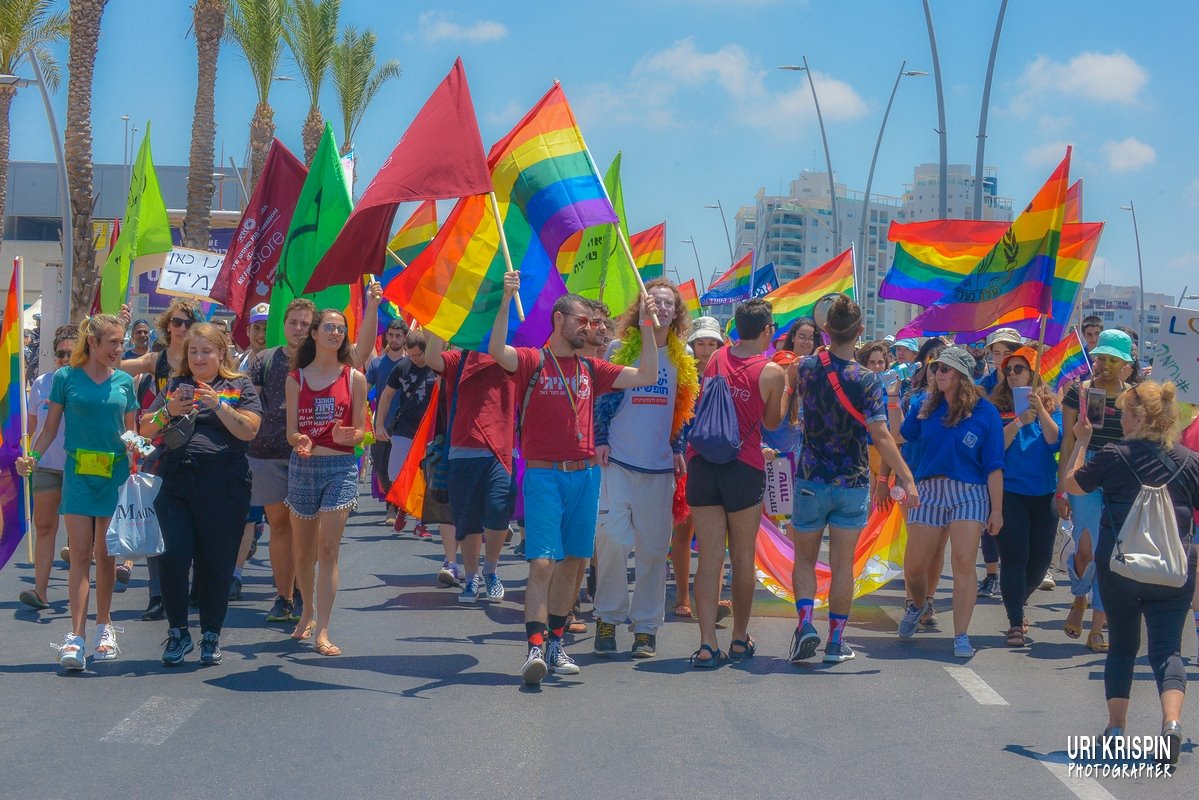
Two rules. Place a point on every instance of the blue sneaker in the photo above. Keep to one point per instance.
(210, 648)
(804, 643)
(177, 644)
(472, 591)
(910, 621)
(962, 647)
(495, 589)
(836, 652)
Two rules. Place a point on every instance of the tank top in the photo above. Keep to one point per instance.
(319, 410)
(149, 386)
(742, 375)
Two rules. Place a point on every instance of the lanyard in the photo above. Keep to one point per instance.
(570, 396)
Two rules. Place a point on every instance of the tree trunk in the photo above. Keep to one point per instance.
(81, 64)
(262, 133)
(6, 96)
(208, 25)
(314, 127)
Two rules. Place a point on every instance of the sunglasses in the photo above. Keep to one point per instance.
(937, 367)
(584, 321)
(1015, 369)
(333, 327)
(61, 353)
(176, 322)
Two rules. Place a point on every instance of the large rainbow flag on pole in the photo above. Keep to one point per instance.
(13, 512)
(1014, 280)
(798, 298)
(1064, 362)
(547, 190)
(649, 251)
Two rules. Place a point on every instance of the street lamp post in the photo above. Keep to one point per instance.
(703, 286)
(1140, 277)
(982, 117)
(125, 154)
(724, 224)
(828, 161)
(859, 277)
(943, 175)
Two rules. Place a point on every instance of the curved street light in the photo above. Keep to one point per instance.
(828, 161)
(1140, 279)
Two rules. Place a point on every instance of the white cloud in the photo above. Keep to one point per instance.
(1100, 77)
(436, 26)
(1129, 155)
(1186, 261)
(1046, 156)
(507, 116)
(1053, 124)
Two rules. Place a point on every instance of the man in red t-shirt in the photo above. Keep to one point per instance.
(561, 484)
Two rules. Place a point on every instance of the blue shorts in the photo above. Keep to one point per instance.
(945, 500)
(818, 504)
(321, 483)
(482, 495)
(561, 509)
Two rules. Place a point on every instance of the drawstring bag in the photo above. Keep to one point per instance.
(133, 531)
(1148, 548)
(715, 434)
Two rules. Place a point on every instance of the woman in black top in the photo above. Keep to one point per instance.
(1149, 456)
(205, 492)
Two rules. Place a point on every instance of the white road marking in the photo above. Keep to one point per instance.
(154, 721)
(979, 689)
(1082, 787)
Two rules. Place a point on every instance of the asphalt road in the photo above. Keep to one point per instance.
(425, 702)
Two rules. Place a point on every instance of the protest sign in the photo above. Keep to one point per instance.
(1176, 357)
(190, 273)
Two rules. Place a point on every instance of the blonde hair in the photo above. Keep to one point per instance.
(92, 327)
(961, 402)
(216, 337)
(1158, 411)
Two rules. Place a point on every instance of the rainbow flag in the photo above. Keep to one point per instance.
(690, 298)
(649, 251)
(1064, 362)
(408, 489)
(12, 486)
(797, 298)
(408, 243)
(1074, 202)
(1014, 280)
(734, 285)
(877, 560)
(547, 190)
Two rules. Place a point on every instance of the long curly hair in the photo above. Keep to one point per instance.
(962, 399)
(681, 324)
(1001, 395)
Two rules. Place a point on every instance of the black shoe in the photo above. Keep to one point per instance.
(298, 607)
(210, 648)
(645, 645)
(605, 639)
(177, 644)
(281, 611)
(235, 588)
(987, 586)
(154, 611)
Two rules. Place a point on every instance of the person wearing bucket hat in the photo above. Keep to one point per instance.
(1110, 356)
(905, 350)
(960, 480)
(1001, 343)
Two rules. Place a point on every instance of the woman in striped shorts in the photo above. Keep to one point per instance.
(960, 479)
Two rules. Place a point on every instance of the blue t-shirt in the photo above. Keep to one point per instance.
(967, 452)
(1029, 466)
(377, 372)
(93, 413)
(989, 381)
(912, 451)
(834, 450)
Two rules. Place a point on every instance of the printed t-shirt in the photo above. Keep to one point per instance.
(835, 446)
(211, 435)
(639, 433)
(1110, 431)
(413, 386)
(271, 366)
(558, 423)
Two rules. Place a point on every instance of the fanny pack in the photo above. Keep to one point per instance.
(94, 462)
(179, 432)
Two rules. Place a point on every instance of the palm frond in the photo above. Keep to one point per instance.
(27, 26)
(311, 33)
(256, 28)
(355, 78)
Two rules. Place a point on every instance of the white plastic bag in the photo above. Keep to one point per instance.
(133, 532)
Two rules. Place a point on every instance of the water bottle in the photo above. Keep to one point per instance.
(900, 372)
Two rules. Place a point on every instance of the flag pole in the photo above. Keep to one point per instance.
(1036, 373)
(499, 224)
(624, 241)
(18, 265)
(399, 260)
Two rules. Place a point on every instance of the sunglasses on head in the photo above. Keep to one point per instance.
(178, 322)
(1014, 369)
(333, 327)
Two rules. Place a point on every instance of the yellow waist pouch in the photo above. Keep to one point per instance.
(94, 462)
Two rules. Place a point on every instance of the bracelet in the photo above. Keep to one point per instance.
(1062, 496)
(788, 390)
(35, 455)
(881, 479)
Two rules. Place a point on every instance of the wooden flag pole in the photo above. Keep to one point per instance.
(499, 224)
(399, 260)
(18, 265)
(1036, 371)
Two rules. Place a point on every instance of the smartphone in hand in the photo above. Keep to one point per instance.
(186, 393)
(1096, 403)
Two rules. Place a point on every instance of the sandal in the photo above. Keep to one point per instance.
(711, 662)
(327, 649)
(1015, 637)
(748, 648)
(1096, 643)
(1078, 609)
(682, 610)
(576, 626)
(300, 635)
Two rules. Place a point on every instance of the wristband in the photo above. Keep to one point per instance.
(35, 455)
(788, 390)
(1062, 496)
(883, 480)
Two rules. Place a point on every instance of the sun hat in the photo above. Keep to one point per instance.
(889, 339)
(259, 313)
(1007, 335)
(960, 359)
(1026, 352)
(1114, 343)
(910, 344)
(705, 328)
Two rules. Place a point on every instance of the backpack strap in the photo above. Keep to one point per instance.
(838, 390)
(529, 387)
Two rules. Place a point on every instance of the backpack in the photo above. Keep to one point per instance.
(715, 434)
(1148, 548)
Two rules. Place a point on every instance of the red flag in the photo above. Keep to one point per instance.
(248, 273)
(440, 156)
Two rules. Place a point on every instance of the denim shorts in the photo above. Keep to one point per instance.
(321, 483)
(818, 504)
(482, 495)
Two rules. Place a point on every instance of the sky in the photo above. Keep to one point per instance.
(688, 90)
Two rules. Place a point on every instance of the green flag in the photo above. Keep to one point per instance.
(320, 214)
(144, 231)
(601, 271)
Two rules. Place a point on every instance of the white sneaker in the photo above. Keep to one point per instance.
(72, 652)
(535, 667)
(1048, 583)
(106, 637)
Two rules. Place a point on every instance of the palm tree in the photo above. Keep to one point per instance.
(81, 65)
(311, 32)
(357, 81)
(208, 23)
(256, 27)
(26, 26)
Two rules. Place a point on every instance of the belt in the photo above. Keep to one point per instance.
(560, 466)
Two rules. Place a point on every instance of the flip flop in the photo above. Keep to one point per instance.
(32, 599)
(302, 635)
(1078, 609)
(327, 649)
(682, 610)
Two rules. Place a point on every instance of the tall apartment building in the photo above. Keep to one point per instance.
(1118, 306)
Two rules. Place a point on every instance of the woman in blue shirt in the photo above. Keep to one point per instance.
(1031, 441)
(960, 479)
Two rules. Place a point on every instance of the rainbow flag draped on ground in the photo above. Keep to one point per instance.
(877, 559)
(409, 242)
(798, 298)
(547, 190)
(690, 298)
(1014, 280)
(649, 251)
(733, 286)
(1064, 362)
(12, 486)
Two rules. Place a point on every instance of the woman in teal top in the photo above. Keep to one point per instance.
(98, 404)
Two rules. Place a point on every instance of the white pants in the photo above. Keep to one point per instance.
(399, 454)
(635, 516)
